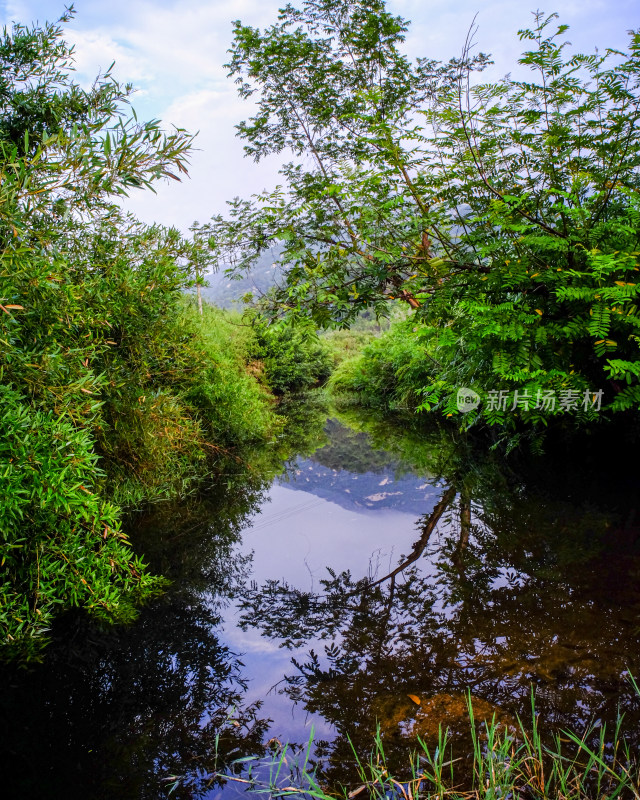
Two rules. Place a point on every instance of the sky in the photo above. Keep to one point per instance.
(173, 51)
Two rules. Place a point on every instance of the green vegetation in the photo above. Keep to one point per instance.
(163, 441)
(112, 386)
(504, 214)
(347, 343)
(61, 541)
(293, 357)
(388, 372)
(508, 759)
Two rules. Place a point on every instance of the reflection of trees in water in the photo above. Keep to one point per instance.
(523, 590)
(353, 451)
(113, 714)
(526, 587)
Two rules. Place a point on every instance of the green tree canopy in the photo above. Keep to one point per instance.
(505, 213)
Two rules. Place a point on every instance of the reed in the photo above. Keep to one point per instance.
(505, 763)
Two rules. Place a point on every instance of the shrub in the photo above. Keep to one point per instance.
(389, 372)
(61, 542)
(294, 358)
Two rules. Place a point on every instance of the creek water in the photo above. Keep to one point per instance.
(363, 573)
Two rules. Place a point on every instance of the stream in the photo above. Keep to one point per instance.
(362, 573)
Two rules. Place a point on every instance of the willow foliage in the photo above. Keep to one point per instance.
(109, 386)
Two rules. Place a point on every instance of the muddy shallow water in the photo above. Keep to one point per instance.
(382, 574)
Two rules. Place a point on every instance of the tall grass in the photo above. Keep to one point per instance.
(229, 393)
(164, 441)
(503, 763)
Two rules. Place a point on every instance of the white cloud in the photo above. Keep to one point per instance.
(218, 170)
(174, 53)
(184, 43)
(95, 51)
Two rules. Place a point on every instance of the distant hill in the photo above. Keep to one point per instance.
(226, 292)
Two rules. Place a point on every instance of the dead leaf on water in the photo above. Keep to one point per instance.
(415, 698)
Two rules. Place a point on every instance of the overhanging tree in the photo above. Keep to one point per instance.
(505, 214)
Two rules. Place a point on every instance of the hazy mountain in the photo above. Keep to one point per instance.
(226, 292)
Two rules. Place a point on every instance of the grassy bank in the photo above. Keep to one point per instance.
(165, 441)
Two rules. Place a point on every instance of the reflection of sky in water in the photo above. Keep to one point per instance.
(534, 598)
(317, 516)
(293, 538)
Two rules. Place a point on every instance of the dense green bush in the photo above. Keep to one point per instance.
(111, 384)
(388, 373)
(294, 358)
(198, 393)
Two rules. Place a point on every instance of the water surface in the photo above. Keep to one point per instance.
(382, 562)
